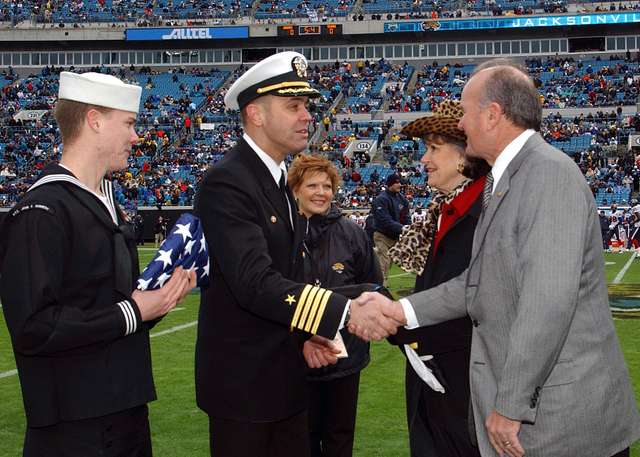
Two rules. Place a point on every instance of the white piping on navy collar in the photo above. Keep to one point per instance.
(106, 187)
(108, 202)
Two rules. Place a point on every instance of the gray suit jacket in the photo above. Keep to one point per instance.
(544, 347)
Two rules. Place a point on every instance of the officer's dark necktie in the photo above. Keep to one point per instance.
(282, 185)
(487, 191)
(285, 198)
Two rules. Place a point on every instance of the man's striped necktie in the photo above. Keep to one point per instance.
(487, 191)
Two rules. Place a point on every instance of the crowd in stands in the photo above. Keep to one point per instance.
(166, 12)
(366, 88)
(362, 184)
(433, 83)
(612, 182)
(605, 129)
(569, 83)
(562, 83)
(25, 144)
(609, 6)
(424, 9)
(183, 126)
(78, 12)
(312, 9)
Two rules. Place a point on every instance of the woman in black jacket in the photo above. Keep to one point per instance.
(337, 253)
(438, 249)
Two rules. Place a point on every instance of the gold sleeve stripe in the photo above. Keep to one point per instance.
(303, 297)
(307, 306)
(323, 305)
(314, 308)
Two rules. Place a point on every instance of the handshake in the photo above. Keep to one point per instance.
(372, 316)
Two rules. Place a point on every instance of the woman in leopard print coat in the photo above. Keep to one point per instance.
(439, 249)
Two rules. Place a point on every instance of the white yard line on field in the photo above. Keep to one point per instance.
(174, 329)
(399, 275)
(177, 328)
(6, 374)
(622, 272)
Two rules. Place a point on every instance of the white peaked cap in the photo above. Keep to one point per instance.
(100, 90)
(283, 74)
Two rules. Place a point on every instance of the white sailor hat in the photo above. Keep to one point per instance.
(283, 74)
(100, 90)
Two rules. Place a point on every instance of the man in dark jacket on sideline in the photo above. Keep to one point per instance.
(391, 213)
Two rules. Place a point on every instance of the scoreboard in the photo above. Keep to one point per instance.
(304, 30)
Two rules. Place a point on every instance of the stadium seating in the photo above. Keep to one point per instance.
(366, 94)
(565, 83)
(561, 83)
(313, 10)
(183, 126)
(141, 13)
(84, 11)
(450, 8)
(620, 197)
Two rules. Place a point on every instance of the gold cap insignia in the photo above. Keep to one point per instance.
(299, 65)
(338, 267)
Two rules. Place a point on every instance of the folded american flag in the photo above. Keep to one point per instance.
(185, 246)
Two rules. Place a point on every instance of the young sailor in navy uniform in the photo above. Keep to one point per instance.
(69, 264)
(250, 371)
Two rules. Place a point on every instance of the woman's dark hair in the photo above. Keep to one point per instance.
(475, 167)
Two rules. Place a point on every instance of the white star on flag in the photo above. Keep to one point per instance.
(188, 247)
(162, 279)
(143, 284)
(183, 229)
(185, 246)
(164, 257)
(205, 269)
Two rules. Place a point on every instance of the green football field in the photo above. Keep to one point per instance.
(180, 429)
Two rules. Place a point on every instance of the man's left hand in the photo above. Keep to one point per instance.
(319, 352)
(503, 435)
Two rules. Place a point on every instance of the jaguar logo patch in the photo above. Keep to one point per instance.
(299, 66)
(428, 26)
